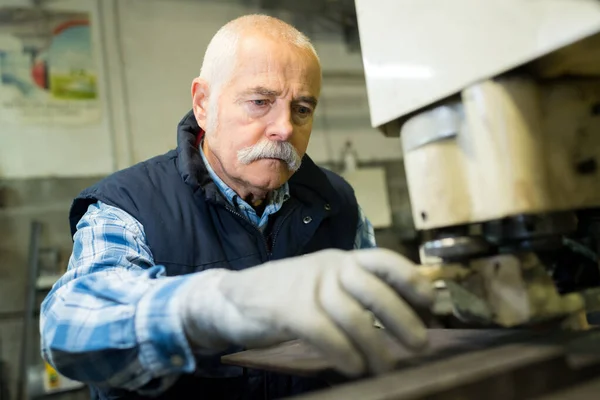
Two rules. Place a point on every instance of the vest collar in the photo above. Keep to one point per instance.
(309, 184)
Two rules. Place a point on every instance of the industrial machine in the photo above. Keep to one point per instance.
(497, 105)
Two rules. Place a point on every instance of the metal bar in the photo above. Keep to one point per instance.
(515, 371)
(34, 246)
(301, 359)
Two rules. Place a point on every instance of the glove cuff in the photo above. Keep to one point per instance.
(201, 310)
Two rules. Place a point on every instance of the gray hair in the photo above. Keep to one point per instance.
(220, 57)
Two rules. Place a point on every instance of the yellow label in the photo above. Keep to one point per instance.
(52, 377)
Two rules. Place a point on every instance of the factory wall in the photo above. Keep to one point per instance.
(148, 51)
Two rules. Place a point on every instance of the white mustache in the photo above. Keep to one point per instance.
(271, 149)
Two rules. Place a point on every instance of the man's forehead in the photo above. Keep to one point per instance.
(263, 60)
(276, 81)
(267, 65)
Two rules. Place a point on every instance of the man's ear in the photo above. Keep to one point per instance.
(200, 93)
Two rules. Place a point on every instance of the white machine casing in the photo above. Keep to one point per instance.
(418, 52)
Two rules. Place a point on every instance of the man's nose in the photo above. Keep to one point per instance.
(281, 127)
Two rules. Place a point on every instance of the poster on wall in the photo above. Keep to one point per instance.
(47, 71)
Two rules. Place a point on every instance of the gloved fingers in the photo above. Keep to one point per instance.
(314, 326)
(355, 321)
(393, 312)
(399, 273)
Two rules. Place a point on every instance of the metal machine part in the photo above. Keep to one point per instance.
(456, 248)
(521, 271)
(528, 227)
(520, 232)
(509, 170)
(520, 150)
(513, 290)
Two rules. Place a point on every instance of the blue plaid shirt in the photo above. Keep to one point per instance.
(112, 319)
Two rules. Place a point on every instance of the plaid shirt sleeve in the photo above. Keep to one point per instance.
(112, 319)
(365, 235)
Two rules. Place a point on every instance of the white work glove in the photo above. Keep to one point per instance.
(322, 298)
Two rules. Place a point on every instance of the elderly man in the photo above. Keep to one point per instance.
(235, 239)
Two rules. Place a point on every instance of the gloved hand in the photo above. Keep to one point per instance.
(322, 298)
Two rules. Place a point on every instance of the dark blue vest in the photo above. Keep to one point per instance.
(190, 227)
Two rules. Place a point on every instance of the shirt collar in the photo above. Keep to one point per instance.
(278, 196)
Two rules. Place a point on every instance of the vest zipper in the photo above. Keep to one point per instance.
(264, 240)
(264, 373)
(279, 227)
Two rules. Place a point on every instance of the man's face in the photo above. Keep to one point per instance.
(270, 98)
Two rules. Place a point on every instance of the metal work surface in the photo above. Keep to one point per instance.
(524, 370)
(299, 358)
(467, 364)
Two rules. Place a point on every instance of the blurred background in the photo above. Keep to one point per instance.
(88, 87)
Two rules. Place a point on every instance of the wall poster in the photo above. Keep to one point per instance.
(47, 71)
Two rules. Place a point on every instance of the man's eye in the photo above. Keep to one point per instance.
(303, 111)
(259, 103)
